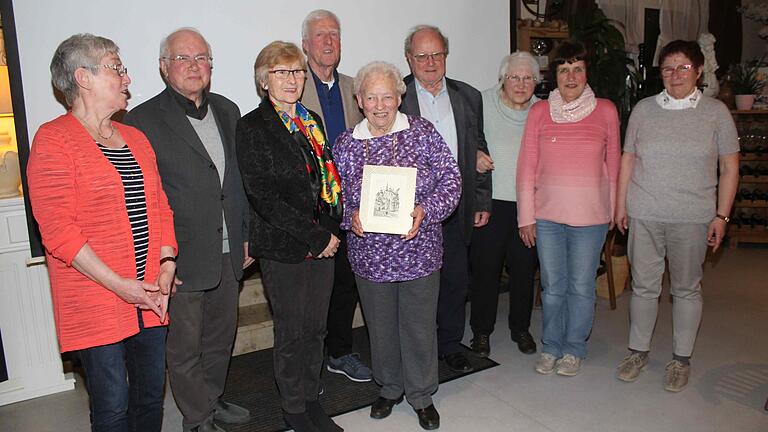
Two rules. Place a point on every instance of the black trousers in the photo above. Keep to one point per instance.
(454, 281)
(492, 246)
(344, 297)
(199, 346)
(299, 296)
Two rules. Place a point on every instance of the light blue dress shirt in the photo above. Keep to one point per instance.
(438, 110)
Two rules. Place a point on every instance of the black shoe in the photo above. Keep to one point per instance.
(457, 362)
(321, 419)
(300, 422)
(524, 341)
(207, 426)
(481, 345)
(429, 418)
(382, 408)
(230, 413)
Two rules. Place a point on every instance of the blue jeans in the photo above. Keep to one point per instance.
(126, 381)
(569, 257)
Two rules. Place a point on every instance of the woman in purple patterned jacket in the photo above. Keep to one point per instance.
(398, 276)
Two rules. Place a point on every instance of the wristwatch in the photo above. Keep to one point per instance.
(168, 258)
(726, 219)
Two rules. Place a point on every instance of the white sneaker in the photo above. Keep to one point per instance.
(569, 365)
(545, 365)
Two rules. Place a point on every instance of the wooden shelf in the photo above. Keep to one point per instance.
(744, 203)
(749, 123)
(751, 157)
(755, 111)
(753, 179)
(527, 32)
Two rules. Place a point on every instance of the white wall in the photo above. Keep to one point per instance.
(238, 29)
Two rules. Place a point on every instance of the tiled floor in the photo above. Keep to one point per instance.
(728, 387)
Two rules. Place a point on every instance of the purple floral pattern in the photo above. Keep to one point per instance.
(386, 257)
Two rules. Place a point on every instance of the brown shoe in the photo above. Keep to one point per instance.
(676, 376)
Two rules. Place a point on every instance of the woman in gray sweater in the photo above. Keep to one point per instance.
(674, 203)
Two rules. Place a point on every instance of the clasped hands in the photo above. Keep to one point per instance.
(417, 214)
(154, 296)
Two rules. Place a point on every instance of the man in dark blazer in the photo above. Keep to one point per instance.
(193, 134)
(456, 110)
(329, 93)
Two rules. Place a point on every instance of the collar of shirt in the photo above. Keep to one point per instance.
(421, 91)
(361, 130)
(668, 102)
(319, 82)
(189, 107)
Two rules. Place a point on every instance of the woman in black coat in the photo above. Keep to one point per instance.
(295, 191)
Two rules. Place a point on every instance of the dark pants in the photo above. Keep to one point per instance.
(299, 295)
(200, 340)
(492, 246)
(401, 326)
(341, 311)
(126, 381)
(454, 280)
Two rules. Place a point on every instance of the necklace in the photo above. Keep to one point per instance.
(98, 131)
(394, 150)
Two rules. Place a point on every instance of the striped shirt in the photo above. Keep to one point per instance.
(135, 202)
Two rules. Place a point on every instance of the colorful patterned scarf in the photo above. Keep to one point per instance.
(330, 189)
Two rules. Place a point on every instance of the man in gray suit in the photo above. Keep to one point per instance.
(193, 134)
(329, 93)
(456, 110)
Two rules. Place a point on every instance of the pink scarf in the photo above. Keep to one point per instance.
(573, 111)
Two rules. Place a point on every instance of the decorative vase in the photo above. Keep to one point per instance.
(744, 102)
(10, 174)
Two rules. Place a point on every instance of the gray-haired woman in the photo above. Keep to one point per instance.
(108, 235)
(398, 276)
(505, 110)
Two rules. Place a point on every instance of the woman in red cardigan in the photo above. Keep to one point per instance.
(108, 234)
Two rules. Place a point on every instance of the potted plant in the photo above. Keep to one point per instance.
(611, 72)
(746, 82)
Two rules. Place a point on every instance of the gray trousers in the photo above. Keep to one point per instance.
(685, 246)
(401, 320)
(299, 295)
(199, 346)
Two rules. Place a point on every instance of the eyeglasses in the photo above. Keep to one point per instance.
(185, 59)
(435, 57)
(285, 73)
(119, 68)
(682, 69)
(526, 80)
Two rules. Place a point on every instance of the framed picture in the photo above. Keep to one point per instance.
(387, 199)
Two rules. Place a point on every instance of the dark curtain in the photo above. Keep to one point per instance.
(725, 25)
(3, 367)
(569, 7)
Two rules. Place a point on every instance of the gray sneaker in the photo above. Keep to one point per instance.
(629, 369)
(569, 365)
(676, 376)
(545, 365)
(351, 367)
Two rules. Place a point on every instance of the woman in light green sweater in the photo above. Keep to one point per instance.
(505, 109)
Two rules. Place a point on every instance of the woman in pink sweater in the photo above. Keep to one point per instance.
(567, 174)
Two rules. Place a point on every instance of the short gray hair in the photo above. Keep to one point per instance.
(522, 59)
(314, 16)
(165, 51)
(77, 51)
(378, 68)
(420, 27)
